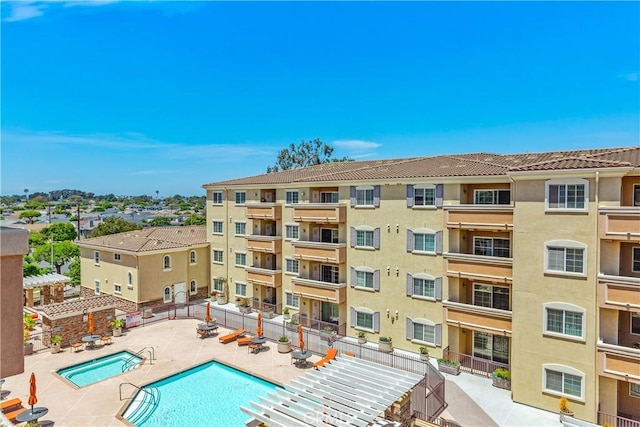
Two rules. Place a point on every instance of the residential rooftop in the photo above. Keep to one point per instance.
(151, 239)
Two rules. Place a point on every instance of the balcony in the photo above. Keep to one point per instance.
(480, 217)
(266, 244)
(616, 361)
(484, 319)
(264, 277)
(479, 267)
(272, 211)
(620, 223)
(618, 292)
(323, 291)
(319, 251)
(320, 212)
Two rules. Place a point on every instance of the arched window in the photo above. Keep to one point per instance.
(192, 257)
(167, 294)
(130, 279)
(193, 287)
(167, 262)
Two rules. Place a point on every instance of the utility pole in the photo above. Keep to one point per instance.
(78, 221)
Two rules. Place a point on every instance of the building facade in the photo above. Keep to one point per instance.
(529, 262)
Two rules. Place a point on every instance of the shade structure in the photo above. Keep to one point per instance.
(300, 339)
(91, 325)
(32, 391)
(259, 330)
(207, 317)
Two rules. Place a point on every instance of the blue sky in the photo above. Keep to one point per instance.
(133, 97)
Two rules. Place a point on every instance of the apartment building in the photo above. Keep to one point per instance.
(527, 261)
(148, 267)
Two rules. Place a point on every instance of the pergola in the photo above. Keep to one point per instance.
(44, 282)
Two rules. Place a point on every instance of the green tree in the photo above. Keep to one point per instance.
(74, 272)
(195, 220)
(63, 252)
(30, 216)
(30, 268)
(159, 221)
(304, 154)
(113, 225)
(60, 231)
(37, 238)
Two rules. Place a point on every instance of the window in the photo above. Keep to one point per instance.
(329, 235)
(218, 284)
(364, 238)
(241, 197)
(424, 240)
(241, 258)
(635, 256)
(216, 197)
(96, 287)
(217, 227)
(364, 279)
(364, 196)
(330, 273)
(291, 197)
(566, 320)
(636, 195)
(192, 257)
(117, 289)
(563, 380)
(491, 296)
(166, 262)
(241, 228)
(424, 196)
(424, 331)
(129, 280)
(96, 258)
(492, 197)
(491, 246)
(567, 194)
(241, 289)
(193, 287)
(218, 256)
(491, 347)
(634, 389)
(565, 257)
(424, 287)
(292, 300)
(292, 232)
(635, 323)
(329, 197)
(166, 295)
(364, 318)
(116, 257)
(292, 266)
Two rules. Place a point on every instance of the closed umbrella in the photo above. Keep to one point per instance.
(301, 341)
(32, 391)
(259, 329)
(91, 326)
(207, 318)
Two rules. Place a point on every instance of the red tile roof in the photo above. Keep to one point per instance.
(151, 239)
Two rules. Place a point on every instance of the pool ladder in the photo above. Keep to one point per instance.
(130, 364)
(149, 401)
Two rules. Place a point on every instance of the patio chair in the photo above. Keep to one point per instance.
(225, 339)
(106, 338)
(8, 404)
(76, 346)
(11, 416)
(244, 340)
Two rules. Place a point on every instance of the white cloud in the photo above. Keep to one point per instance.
(19, 11)
(632, 77)
(356, 144)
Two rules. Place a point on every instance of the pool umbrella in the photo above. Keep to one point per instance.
(91, 327)
(300, 338)
(207, 318)
(32, 391)
(259, 330)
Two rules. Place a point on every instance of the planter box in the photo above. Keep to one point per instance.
(147, 313)
(55, 348)
(385, 347)
(563, 415)
(449, 369)
(362, 340)
(424, 357)
(284, 347)
(502, 383)
(117, 332)
(245, 310)
(221, 299)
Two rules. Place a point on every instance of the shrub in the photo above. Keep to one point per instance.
(55, 339)
(283, 338)
(449, 361)
(385, 339)
(563, 404)
(362, 334)
(503, 374)
(117, 323)
(286, 310)
(424, 350)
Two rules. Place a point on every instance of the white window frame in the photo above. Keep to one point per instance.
(367, 230)
(166, 266)
(242, 195)
(117, 288)
(368, 274)
(636, 195)
(333, 194)
(493, 249)
(291, 300)
(220, 224)
(117, 257)
(492, 287)
(293, 271)
(424, 322)
(217, 252)
(424, 232)
(96, 287)
(96, 257)
(565, 244)
(193, 258)
(193, 289)
(423, 188)
(566, 183)
(166, 298)
(218, 284)
(240, 254)
(361, 195)
(368, 312)
(242, 224)
(634, 390)
(291, 197)
(129, 280)
(240, 286)
(563, 369)
(495, 196)
(425, 278)
(635, 259)
(289, 231)
(564, 307)
(217, 197)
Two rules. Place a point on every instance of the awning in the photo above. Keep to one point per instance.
(44, 280)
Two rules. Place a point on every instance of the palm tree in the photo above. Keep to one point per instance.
(26, 192)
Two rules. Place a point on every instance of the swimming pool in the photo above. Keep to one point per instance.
(84, 374)
(209, 394)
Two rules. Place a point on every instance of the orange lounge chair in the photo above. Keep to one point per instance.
(243, 341)
(11, 416)
(7, 404)
(331, 354)
(225, 339)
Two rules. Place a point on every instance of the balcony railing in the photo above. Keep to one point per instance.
(315, 289)
(618, 292)
(479, 267)
(268, 309)
(324, 328)
(272, 211)
(620, 362)
(479, 318)
(264, 277)
(473, 364)
(605, 419)
(320, 212)
(480, 217)
(267, 244)
(320, 251)
(620, 223)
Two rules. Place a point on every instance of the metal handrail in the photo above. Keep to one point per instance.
(153, 399)
(150, 350)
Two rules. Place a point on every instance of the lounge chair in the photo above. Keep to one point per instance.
(331, 354)
(243, 340)
(8, 404)
(225, 339)
(11, 416)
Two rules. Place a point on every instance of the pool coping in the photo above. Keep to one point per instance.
(76, 387)
(129, 399)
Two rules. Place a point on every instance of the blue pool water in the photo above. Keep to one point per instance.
(207, 395)
(100, 369)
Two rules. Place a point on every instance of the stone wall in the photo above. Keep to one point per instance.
(73, 328)
(400, 411)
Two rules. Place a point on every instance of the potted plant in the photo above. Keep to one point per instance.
(502, 378)
(117, 325)
(284, 344)
(448, 365)
(362, 337)
(286, 314)
(424, 353)
(147, 312)
(222, 297)
(385, 344)
(55, 341)
(563, 405)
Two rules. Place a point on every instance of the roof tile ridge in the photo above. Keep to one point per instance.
(484, 162)
(397, 161)
(613, 151)
(565, 158)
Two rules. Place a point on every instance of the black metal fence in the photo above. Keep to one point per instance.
(36, 340)
(473, 364)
